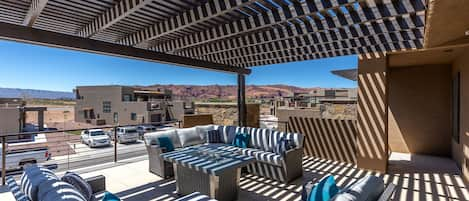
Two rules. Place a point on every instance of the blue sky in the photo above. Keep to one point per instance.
(38, 67)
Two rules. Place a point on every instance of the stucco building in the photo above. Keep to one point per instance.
(112, 104)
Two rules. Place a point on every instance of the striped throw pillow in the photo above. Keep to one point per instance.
(214, 137)
(58, 190)
(79, 183)
(32, 177)
(283, 146)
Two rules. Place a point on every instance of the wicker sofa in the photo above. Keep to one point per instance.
(284, 168)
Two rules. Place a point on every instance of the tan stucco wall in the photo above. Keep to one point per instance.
(461, 151)
(284, 114)
(419, 109)
(372, 145)
(9, 120)
(95, 95)
(227, 113)
(196, 120)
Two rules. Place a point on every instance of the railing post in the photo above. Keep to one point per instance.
(4, 153)
(115, 144)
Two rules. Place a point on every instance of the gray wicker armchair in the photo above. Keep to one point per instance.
(156, 164)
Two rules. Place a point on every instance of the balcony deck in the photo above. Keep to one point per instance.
(416, 177)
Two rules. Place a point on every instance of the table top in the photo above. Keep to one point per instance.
(209, 158)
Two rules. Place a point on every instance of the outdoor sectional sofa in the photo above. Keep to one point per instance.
(284, 168)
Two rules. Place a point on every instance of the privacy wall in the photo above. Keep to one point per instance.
(333, 139)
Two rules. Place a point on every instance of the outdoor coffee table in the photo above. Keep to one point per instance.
(211, 169)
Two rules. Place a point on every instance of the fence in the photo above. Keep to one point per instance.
(67, 149)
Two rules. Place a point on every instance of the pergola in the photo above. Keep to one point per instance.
(223, 35)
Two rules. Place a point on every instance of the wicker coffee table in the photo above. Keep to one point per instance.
(212, 169)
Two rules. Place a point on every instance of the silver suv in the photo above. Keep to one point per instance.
(125, 134)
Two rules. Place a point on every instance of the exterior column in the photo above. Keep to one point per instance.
(40, 120)
(241, 100)
(372, 135)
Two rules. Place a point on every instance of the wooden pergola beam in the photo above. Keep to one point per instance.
(182, 21)
(34, 11)
(112, 16)
(53, 39)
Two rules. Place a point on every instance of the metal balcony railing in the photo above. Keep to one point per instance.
(67, 149)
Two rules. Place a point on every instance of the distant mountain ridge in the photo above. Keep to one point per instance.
(195, 91)
(230, 91)
(34, 93)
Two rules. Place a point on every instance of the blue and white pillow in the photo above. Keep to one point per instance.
(214, 136)
(283, 146)
(58, 190)
(325, 190)
(79, 183)
(33, 176)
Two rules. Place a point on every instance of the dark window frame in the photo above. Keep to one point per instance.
(107, 108)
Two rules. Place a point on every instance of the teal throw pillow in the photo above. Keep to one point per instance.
(166, 143)
(324, 190)
(110, 197)
(241, 140)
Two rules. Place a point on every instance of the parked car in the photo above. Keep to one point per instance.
(17, 158)
(95, 138)
(142, 129)
(125, 134)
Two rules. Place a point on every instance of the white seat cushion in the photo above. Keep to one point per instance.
(152, 138)
(203, 131)
(189, 136)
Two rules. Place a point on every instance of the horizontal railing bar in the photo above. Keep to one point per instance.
(80, 129)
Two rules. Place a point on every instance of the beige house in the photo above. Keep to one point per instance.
(13, 117)
(112, 104)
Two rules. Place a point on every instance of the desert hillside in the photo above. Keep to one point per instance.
(194, 91)
(229, 91)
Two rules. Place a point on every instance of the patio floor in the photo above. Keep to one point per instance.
(415, 178)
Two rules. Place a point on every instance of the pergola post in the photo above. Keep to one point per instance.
(241, 100)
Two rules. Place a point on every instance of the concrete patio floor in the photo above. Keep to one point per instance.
(416, 179)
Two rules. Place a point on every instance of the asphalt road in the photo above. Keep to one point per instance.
(86, 156)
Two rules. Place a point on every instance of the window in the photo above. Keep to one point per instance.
(116, 117)
(107, 107)
(329, 93)
(133, 116)
(127, 98)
